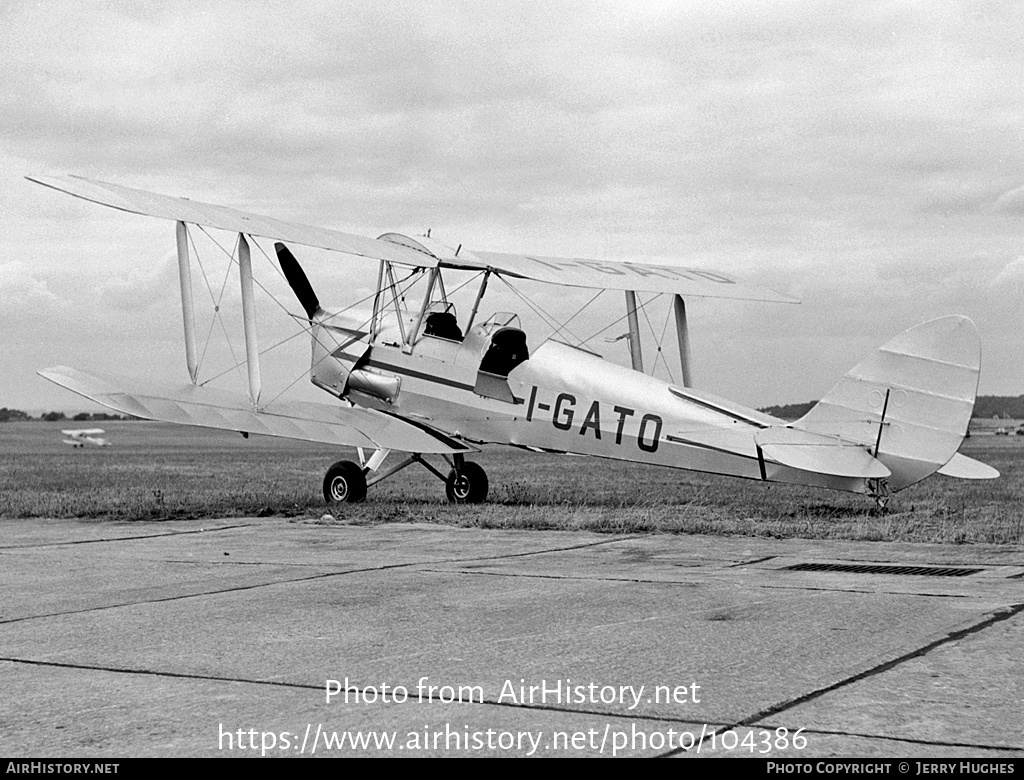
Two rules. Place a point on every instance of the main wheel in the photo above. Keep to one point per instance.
(468, 485)
(344, 482)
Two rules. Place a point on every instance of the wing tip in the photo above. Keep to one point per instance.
(53, 372)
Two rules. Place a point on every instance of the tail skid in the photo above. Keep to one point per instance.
(910, 402)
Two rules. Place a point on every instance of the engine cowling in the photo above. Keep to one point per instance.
(340, 354)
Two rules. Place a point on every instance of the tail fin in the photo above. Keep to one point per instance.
(910, 401)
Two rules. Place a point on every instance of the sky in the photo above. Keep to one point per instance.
(865, 157)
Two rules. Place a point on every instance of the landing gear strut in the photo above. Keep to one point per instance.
(879, 490)
(346, 482)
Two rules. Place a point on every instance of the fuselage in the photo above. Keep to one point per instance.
(564, 399)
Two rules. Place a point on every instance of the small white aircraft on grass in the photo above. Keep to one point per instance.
(420, 380)
(83, 436)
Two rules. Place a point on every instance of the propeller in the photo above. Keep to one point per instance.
(297, 279)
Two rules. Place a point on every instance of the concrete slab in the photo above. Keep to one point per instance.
(158, 639)
(959, 695)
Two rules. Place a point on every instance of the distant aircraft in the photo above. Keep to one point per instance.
(81, 437)
(417, 378)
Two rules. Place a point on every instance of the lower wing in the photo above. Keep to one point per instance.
(208, 408)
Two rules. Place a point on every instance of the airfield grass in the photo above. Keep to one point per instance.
(157, 472)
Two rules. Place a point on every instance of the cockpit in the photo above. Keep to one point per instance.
(507, 348)
(491, 349)
(442, 323)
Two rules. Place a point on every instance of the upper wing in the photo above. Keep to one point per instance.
(422, 252)
(83, 432)
(223, 218)
(209, 408)
(640, 277)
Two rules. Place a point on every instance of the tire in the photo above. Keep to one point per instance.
(344, 483)
(468, 485)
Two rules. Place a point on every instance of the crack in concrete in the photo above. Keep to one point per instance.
(1004, 613)
(323, 575)
(321, 688)
(869, 592)
(492, 703)
(698, 569)
(566, 577)
(751, 563)
(123, 538)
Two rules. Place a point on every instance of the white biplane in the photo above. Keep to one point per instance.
(81, 436)
(422, 380)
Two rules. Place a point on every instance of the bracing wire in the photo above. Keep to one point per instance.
(363, 324)
(230, 255)
(640, 306)
(664, 330)
(548, 319)
(216, 300)
(658, 342)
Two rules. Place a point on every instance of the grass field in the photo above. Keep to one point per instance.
(160, 472)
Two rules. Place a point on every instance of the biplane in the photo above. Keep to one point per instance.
(79, 437)
(425, 379)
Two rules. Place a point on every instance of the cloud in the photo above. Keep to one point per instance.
(1011, 274)
(140, 290)
(1012, 201)
(861, 156)
(24, 297)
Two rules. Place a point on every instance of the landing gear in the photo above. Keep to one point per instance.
(466, 485)
(879, 490)
(344, 482)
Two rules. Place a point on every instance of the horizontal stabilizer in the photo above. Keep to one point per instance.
(821, 454)
(962, 467)
(208, 408)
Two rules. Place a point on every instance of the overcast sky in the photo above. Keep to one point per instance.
(866, 157)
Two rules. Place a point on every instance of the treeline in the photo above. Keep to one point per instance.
(789, 411)
(1001, 406)
(1004, 406)
(15, 415)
